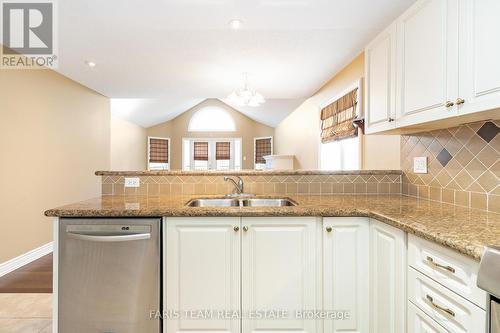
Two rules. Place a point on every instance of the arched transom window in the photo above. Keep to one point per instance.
(211, 119)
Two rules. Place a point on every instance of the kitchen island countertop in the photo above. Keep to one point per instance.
(462, 229)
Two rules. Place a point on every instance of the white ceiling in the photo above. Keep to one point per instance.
(165, 56)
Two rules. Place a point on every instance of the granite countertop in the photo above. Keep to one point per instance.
(246, 173)
(464, 230)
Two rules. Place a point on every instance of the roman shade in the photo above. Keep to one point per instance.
(158, 150)
(222, 151)
(337, 118)
(263, 147)
(201, 151)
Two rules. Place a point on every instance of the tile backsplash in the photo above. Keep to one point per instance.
(388, 183)
(463, 165)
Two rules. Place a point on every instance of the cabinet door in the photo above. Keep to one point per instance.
(279, 257)
(480, 53)
(202, 273)
(380, 74)
(427, 61)
(387, 278)
(345, 271)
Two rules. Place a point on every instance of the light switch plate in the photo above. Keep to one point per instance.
(420, 164)
(132, 182)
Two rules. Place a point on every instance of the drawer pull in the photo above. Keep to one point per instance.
(435, 264)
(448, 311)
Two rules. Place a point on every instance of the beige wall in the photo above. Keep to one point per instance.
(298, 134)
(128, 145)
(177, 128)
(53, 134)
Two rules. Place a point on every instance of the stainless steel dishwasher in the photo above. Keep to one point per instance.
(109, 275)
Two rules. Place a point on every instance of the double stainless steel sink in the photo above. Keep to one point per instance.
(242, 202)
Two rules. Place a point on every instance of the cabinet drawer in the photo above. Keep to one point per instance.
(447, 267)
(419, 322)
(451, 311)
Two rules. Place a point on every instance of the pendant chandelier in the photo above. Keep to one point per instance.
(245, 96)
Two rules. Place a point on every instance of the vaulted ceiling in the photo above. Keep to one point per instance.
(161, 57)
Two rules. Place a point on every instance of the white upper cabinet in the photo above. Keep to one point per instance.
(427, 61)
(202, 272)
(380, 78)
(279, 272)
(345, 273)
(446, 65)
(479, 55)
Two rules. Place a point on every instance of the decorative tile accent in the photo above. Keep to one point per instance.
(464, 165)
(488, 131)
(320, 184)
(444, 157)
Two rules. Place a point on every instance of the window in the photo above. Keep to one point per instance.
(211, 154)
(340, 155)
(340, 144)
(262, 147)
(211, 119)
(200, 155)
(158, 153)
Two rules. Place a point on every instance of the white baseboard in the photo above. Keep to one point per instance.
(26, 258)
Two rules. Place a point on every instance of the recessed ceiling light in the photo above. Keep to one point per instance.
(235, 24)
(90, 63)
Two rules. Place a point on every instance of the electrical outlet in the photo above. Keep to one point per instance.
(132, 182)
(420, 164)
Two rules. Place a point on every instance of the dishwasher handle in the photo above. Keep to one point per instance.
(108, 239)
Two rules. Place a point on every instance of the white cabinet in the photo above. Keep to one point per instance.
(479, 55)
(345, 272)
(419, 322)
(387, 278)
(427, 61)
(380, 81)
(446, 65)
(279, 271)
(447, 267)
(445, 307)
(202, 272)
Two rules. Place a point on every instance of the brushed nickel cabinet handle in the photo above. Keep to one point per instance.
(435, 264)
(245, 228)
(329, 229)
(439, 307)
(449, 104)
(236, 228)
(460, 101)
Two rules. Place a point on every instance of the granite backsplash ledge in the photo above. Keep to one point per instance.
(257, 182)
(463, 165)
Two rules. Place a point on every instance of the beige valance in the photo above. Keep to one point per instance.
(337, 118)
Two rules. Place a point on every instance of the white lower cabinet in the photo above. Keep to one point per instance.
(387, 278)
(202, 272)
(276, 274)
(279, 272)
(448, 309)
(419, 322)
(345, 273)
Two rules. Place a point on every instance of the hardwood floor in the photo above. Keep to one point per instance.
(36, 277)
